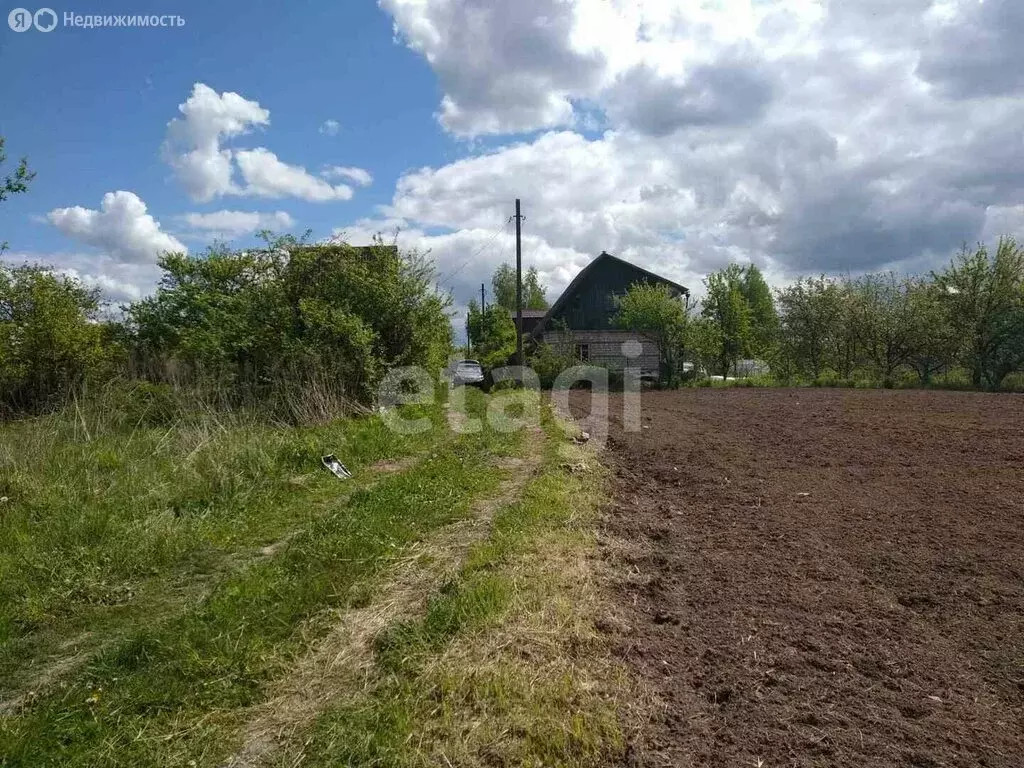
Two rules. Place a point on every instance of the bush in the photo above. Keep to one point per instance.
(548, 362)
(298, 328)
(52, 343)
(142, 404)
(1014, 382)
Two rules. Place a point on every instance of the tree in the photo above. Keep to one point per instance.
(534, 292)
(933, 339)
(809, 312)
(704, 343)
(503, 285)
(764, 320)
(880, 319)
(985, 298)
(653, 310)
(51, 339)
(13, 183)
(492, 334)
(727, 306)
(265, 318)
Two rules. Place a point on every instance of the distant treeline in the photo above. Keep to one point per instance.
(963, 324)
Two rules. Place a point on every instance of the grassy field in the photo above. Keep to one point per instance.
(162, 590)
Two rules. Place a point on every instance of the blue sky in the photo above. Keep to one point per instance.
(801, 135)
(90, 107)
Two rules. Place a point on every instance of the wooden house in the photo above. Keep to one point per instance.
(584, 315)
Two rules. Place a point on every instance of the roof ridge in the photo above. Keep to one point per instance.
(582, 274)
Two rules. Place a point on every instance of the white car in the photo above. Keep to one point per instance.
(465, 372)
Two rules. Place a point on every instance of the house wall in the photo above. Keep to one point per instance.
(605, 347)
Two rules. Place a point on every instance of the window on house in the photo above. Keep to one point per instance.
(583, 352)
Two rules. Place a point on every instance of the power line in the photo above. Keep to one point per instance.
(446, 278)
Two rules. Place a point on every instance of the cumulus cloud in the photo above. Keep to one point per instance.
(799, 135)
(503, 66)
(206, 169)
(723, 93)
(193, 140)
(119, 282)
(976, 49)
(330, 127)
(267, 176)
(356, 175)
(121, 228)
(228, 225)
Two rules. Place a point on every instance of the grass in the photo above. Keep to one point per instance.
(117, 511)
(100, 524)
(505, 667)
(147, 547)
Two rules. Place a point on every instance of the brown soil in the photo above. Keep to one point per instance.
(822, 577)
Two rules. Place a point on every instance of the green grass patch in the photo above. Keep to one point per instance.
(505, 668)
(101, 523)
(173, 690)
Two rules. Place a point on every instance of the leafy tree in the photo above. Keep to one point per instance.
(13, 183)
(51, 339)
(764, 320)
(933, 339)
(503, 285)
(492, 334)
(844, 342)
(704, 343)
(809, 311)
(985, 298)
(727, 306)
(880, 317)
(653, 310)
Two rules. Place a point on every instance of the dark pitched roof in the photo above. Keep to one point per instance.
(581, 276)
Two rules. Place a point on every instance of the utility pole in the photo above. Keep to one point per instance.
(519, 287)
(483, 306)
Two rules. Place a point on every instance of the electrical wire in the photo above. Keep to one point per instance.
(447, 278)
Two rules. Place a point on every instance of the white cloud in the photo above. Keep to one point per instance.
(503, 66)
(356, 175)
(267, 176)
(121, 228)
(193, 141)
(206, 169)
(801, 135)
(228, 225)
(330, 127)
(112, 289)
(118, 281)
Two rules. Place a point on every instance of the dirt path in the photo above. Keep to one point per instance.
(822, 578)
(340, 662)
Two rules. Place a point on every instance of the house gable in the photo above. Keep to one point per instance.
(589, 303)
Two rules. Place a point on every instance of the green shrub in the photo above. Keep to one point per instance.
(143, 404)
(548, 362)
(273, 326)
(955, 378)
(52, 343)
(1014, 382)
